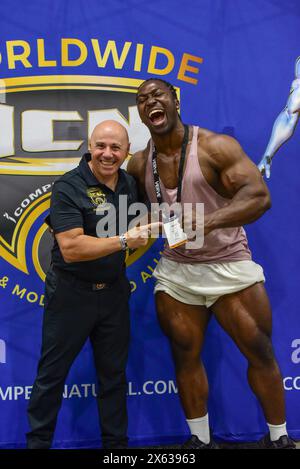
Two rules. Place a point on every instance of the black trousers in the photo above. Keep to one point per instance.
(73, 313)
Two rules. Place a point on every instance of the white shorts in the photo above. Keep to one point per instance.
(203, 284)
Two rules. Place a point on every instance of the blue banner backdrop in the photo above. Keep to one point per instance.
(67, 65)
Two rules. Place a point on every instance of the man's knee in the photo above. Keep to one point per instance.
(258, 348)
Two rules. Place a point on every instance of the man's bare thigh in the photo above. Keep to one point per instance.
(244, 310)
(181, 322)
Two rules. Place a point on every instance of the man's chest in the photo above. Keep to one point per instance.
(168, 169)
(104, 208)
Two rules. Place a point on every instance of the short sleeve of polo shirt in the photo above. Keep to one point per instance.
(65, 214)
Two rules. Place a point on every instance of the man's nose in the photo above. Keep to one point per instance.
(151, 100)
(107, 152)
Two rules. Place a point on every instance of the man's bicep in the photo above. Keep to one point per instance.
(235, 167)
(69, 235)
(236, 174)
(66, 239)
(241, 174)
(136, 168)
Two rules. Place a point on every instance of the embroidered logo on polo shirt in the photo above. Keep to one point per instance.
(96, 195)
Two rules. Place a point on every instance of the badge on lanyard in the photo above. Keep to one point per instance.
(173, 231)
(171, 224)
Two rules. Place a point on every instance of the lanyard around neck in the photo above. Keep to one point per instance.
(180, 171)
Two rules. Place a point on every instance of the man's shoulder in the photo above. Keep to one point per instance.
(141, 155)
(213, 139)
(70, 178)
(216, 143)
(129, 178)
(137, 162)
(131, 186)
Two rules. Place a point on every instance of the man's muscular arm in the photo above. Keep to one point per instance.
(75, 246)
(243, 184)
(136, 168)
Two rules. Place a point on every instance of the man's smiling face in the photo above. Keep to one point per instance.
(158, 108)
(109, 147)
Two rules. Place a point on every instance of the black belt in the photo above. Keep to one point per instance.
(82, 283)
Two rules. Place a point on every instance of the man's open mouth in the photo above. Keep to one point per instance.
(107, 163)
(156, 116)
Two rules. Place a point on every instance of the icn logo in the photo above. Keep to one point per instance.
(2, 351)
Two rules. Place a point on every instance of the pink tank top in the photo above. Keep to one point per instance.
(221, 245)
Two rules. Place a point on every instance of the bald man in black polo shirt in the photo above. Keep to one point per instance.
(86, 289)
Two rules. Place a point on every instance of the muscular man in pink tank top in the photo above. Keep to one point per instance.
(218, 173)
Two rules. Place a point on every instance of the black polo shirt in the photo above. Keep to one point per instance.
(75, 198)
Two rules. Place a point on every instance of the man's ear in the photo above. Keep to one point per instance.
(177, 104)
(89, 145)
